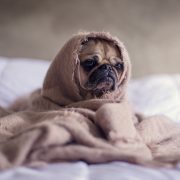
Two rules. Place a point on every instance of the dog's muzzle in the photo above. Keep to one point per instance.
(102, 80)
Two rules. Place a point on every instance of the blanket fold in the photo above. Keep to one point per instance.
(58, 123)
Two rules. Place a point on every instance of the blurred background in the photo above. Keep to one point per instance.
(150, 29)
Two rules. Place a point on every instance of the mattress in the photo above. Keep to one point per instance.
(157, 94)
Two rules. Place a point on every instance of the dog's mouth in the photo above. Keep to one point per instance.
(101, 82)
(104, 85)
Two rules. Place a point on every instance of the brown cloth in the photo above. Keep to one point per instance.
(57, 123)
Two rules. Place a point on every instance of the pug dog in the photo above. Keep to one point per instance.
(101, 66)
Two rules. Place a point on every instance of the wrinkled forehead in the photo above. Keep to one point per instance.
(100, 47)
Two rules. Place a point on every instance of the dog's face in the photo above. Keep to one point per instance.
(101, 67)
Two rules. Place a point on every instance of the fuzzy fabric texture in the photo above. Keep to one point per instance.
(57, 123)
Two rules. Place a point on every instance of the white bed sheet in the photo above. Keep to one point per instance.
(158, 94)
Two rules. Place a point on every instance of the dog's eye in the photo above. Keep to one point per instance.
(119, 66)
(89, 64)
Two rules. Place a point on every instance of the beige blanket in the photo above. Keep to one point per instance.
(57, 123)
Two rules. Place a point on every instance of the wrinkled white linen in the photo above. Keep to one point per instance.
(159, 94)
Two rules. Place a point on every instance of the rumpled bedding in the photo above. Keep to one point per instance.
(166, 87)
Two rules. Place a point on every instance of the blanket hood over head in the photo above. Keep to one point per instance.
(62, 81)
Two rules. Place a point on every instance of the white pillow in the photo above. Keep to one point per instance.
(20, 76)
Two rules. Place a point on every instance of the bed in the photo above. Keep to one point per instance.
(159, 94)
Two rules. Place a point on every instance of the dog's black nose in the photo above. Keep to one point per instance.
(106, 67)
